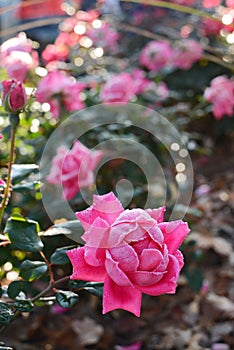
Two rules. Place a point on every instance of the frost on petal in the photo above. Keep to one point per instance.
(157, 214)
(107, 207)
(115, 272)
(126, 256)
(121, 297)
(97, 234)
(174, 233)
(82, 270)
(169, 281)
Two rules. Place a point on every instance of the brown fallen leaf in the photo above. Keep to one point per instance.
(88, 330)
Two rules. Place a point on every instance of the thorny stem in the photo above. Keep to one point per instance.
(49, 267)
(49, 288)
(8, 181)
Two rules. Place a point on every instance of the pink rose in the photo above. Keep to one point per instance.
(73, 169)
(135, 346)
(119, 88)
(141, 83)
(156, 55)
(105, 37)
(221, 95)
(58, 52)
(58, 89)
(18, 57)
(14, 95)
(131, 251)
(186, 54)
(211, 3)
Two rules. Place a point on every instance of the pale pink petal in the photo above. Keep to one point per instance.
(150, 259)
(169, 281)
(115, 272)
(116, 297)
(126, 256)
(174, 233)
(157, 214)
(97, 234)
(95, 256)
(107, 207)
(83, 271)
(145, 278)
(156, 234)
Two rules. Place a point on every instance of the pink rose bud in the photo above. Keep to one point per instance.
(14, 95)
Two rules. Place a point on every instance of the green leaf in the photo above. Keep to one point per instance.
(72, 227)
(27, 186)
(16, 287)
(95, 288)
(59, 257)
(32, 270)
(195, 278)
(66, 298)
(21, 171)
(23, 305)
(6, 314)
(24, 234)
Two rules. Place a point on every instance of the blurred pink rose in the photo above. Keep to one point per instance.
(18, 57)
(1, 136)
(131, 251)
(105, 37)
(211, 27)
(184, 2)
(141, 83)
(59, 52)
(186, 54)
(13, 96)
(135, 346)
(221, 95)
(156, 55)
(210, 3)
(73, 169)
(2, 183)
(119, 88)
(59, 89)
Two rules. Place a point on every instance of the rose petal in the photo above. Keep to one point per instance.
(83, 271)
(95, 256)
(107, 207)
(157, 214)
(97, 235)
(145, 278)
(174, 233)
(115, 272)
(169, 281)
(119, 297)
(126, 257)
(150, 259)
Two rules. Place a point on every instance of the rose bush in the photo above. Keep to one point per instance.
(131, 251)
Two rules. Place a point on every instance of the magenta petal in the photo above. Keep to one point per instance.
(82, 270)
(169, 281)
(157, 214)
(119, 297)
(115, 272)
(174, 233)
